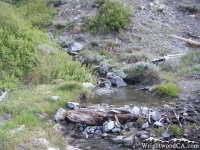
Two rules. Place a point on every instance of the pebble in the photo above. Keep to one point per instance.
(145, 125)
(118, 139)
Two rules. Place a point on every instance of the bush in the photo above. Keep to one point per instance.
(22, 54)
(36, 12)
(175, 130)
(100, 2)
(189, 63)
(141, 67)
(111, 16)
(104, 52)
(168, 89)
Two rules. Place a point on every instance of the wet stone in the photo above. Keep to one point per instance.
(118, 139)
(166, 135)
(138, 133)
(145, 125)
(155, 115)
(144, 136)
(128, 141)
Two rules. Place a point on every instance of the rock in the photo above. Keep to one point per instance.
(4, 118)
(60, 115)
(75, 47)
(135, 111)
(155, 115)
(144, 136)
(104, 135)
(72, 105)
(145, 125)
(165, 135)
(105, 91)
(109, 74)
(158, 124)
(161, 7)
(145, 111)
(90, 129)
(55, 97)
(128, 141)
(69, 147)
(88, 85)
(117, 81)
(138, 133)
(18, 129)
(185, 114)
(107, 126)
(118, 139)
(115, 130)
(42, 141)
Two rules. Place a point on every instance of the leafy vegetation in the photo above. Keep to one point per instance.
(111, 16)
(100, 2)
(190, 63)
(20, 54)
(27, 105)
(175, 130)
(169, 89)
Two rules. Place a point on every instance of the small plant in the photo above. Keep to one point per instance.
(140, 121)
(111, 16)
(90, 46)
(169, 89)
(99, 2)
(59, 24)
(104, 52)
(175, 130)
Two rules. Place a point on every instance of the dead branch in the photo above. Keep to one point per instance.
(194, 43)
(193, 35)
(157, 60)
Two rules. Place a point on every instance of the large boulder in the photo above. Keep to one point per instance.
(117, 81)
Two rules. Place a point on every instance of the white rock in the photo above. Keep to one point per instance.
(72, 105)
(145, 125)
(42, 141)
(107, 126)
(88, 85)
(136, 111)
(60, 115)
(55, 97)
(158, 124)
(128, 141)
(155, 115)
(18, 129)
(118, 139)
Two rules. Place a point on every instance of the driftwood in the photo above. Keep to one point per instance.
(193, 35)
(157, 60)
(96, 118)
(194, 43)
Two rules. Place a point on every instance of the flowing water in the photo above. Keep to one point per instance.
(129, 95)
(126, 96)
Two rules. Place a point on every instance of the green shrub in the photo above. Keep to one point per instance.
(100, 2)
(22, 53)
(189, 63)
(141, 67)
(36, 12)
(104, 52)
(168, 89)
(111, 16)
(175, 130)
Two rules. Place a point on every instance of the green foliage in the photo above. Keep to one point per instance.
(160, 130)
(100, 2)
(71, 86)
(175, 130)
(141, 67)
(169, 89)
(22, 53)
(190, 63)
(36, 12)
(104, 52)
(140, 121)
(111, 16)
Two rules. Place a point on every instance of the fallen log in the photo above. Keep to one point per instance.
(157, 60)
(194, 43)
(96, 118)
